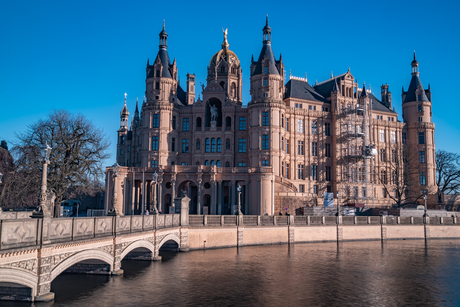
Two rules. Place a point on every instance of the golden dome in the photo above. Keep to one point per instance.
(224, 54)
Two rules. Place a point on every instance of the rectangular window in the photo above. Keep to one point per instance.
(421, 138)
(301, 188)
(422, 178)
(173, 144)
(287, 146)
(265, 144)
(287, 124)
(315, 189)
(219, 145)
(420, 119)
(314, 172)
(422, 156)
(300, 148)
(154, 163)
(393, 137)
(382, 155)
(241, 164)
(419, 108)
(300, 125)
(174, 123)
(185, 124)
(287, 170)
(264, 118)
(265, 82)
(299, 171)
(328, 173)
(154, 143)
(327, 129)
(157, 85)
(327, 150)
(265, 69)
(314, 149)
(393, 156)
(382, 135)
(242, 124)
(185, 144)
(265, 163)
(314, 129)
(242, 145)
(156, 121)
(404, 136)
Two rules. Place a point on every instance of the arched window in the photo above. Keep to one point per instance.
(213, 162)
(228, 123)
(227, 144)
(213, 145)
(218, 163)
(197, 163)
(206, 162)
(227, 164)
(207, 143)
(222, 68)
(197, 144)
(198, 123)
(233, 90)
(219, 145)
(222, 84)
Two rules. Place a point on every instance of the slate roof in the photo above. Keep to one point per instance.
(266, 51)
(326, 87)
(165, 62)
(302, 90)
(181, 94)
(377, 105)
(415, 83)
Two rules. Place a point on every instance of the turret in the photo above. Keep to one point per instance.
(124, 116)
(386, 96)
(190, 88)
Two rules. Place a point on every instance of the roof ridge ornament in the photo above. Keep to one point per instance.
(225, 44)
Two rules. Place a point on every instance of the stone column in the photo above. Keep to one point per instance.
(219, 197)
(44, 275)
(199, 196)
(233, 197)
(160, 196)
(246, 198)
(213, 197)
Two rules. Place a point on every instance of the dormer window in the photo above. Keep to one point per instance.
(158, 73)
(265, 82)
(266, 70)
(419, 108)
(222, 69)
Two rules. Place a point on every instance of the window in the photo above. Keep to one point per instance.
(314, 172)
(422, 156)
(393, 156)
(265, 163)
(325, 109)
(157, 85)
(207, 145)
(393, 137)
(156, 121)
(382, 135)
(300, 125)
(206, 162)
(315, 189)
(419, 108)
(265, 69)
(287, 170)
(327, 150)
(265, 145)
(154, 143)
(242, 124)
(197, 144)
(383, 176)
(299, 171)
(314, 149)
(328, 173)
(395, 177)
(282, 168)
(213, 162)
(382, 155)
(327, 129)
(121, 151)
(287, 124)
(265, 82)
(404, 136)
(185, 124)
(154, 163)
(421, 138)
(242, 145)
(301, 188)
(158, 73)
(213, 145)
(264, 118)
(198, 123)
(218, 163)
(420, 119)
(300, 148)
(184, 163)
(173, 144)
(228, 123)
(363, 189)
(122, 140)
(174, 123)
(129, 148)
(241, 164)
(219, 145)
(384, 193)
(422, 178)
(185, 145)
(227, 144)
(287, 146)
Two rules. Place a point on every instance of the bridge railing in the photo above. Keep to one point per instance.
(18, 233)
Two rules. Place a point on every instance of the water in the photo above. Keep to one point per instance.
(395, 273)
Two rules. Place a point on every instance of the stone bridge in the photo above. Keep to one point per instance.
(34, 251)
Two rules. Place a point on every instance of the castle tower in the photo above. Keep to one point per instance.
(122, 135)
(418, 134)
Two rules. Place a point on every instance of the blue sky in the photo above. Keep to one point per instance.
(84, 55)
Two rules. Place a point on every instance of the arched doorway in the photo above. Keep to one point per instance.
(191, 190)
(207, 203)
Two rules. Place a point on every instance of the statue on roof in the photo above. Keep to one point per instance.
(225, 34)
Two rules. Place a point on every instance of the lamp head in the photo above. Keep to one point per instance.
(116, 168)
(238, 188)
(155, 177)
(45, 152)
(1, 176)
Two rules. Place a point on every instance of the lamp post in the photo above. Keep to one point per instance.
(154, 208)
(424, 198)
(113, 211)
(338, 204)
(1, 176)
(42, 209)
(238, 189)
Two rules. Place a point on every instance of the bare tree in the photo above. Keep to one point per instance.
(399, 175)
(447, 172)
(78, 151)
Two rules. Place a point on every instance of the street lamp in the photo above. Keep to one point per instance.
(424, 198)
(42, 209)
(238, 189)
(113, 211)
(154, 208)
(1, 176)
(338, 204)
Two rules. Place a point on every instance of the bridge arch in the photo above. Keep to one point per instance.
(94, 254)
(140, 243)
(19, 276)
(169, 237)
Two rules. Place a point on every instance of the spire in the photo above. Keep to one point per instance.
(225, 44)
(335, 87)
(163, 38)
(414, 65)
(267, 33)
(124, 112)
(137, 105)
(364, 92)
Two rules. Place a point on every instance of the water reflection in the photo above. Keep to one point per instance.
(388, 273)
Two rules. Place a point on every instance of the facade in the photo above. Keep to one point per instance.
(285, 148)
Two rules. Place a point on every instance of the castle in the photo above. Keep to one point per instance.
(284, 149)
